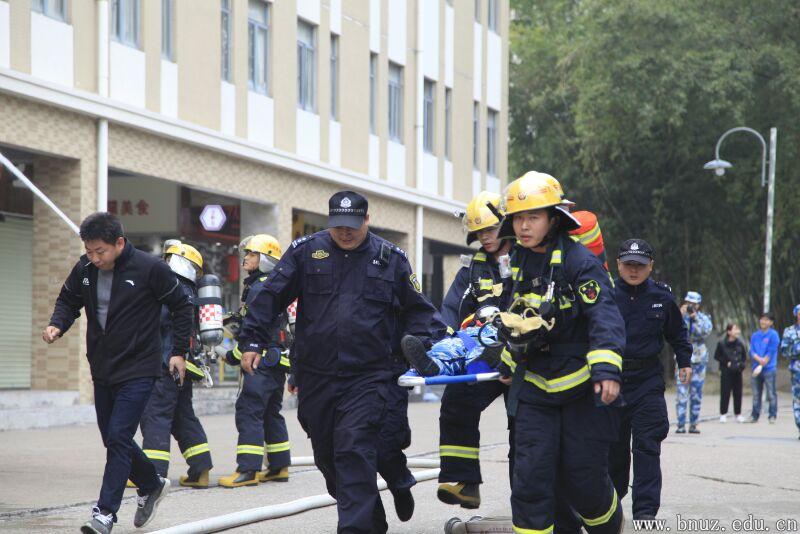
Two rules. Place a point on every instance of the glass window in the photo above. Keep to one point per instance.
(373, 92)
(306, 66)
(448, 123)
(258, 42)
(55, 9)
(395, 102)
(428, 115)
(491, 142)
(493, 15)
(475, 134)
(225, 20)
(334, 76)
(125, 22)
(167, 29)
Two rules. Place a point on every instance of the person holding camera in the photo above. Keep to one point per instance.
(699, 326)
(731, 355)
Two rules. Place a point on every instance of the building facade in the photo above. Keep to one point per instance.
(156, 109)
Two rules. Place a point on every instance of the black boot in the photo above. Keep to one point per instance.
(416, 355)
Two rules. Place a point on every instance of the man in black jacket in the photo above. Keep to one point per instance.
(122, 290)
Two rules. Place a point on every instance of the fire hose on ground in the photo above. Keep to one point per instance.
(275, 511)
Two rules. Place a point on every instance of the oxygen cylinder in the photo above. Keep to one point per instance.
(209, 303)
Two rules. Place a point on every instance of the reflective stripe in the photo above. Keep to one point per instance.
(508, 360)
(479, 256)
(457, 451)
(197, 449)
(604, 356)
(285, 361)
(520, 530)
(486, 283)
(157, 455)
(605, 517)
(237, 353)
(555, 259)
(591, 235)
(562, 383)
(192, 368)
(250, 449)
(278, 447)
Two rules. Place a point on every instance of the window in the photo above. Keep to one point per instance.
(306, 66)
(55, 9)
(167, 29)
(477, 10)
(428, 111)
(258, 41)
(491, 142)
(395, 102)
(125, 22)
(373, 92)
(448, 123)
(475, 133)
(225, 20)
(493, 15)
(334, 76)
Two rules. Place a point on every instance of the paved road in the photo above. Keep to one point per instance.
(49, 478)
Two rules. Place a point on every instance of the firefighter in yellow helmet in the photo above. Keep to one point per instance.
(566, 368)
(479, 284)
(170, 410)
(258, 409)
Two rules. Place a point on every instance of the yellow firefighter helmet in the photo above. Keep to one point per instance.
(479, 216)
(534, 191)
(183, 259)
(266, 246)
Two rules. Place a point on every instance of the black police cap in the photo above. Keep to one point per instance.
(637, 250)
(347, 208)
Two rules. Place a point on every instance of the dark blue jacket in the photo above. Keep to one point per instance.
(652, 315)
(130, 345)
(166, 322)
(351, 305)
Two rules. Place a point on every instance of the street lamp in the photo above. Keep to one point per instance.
(718, 165)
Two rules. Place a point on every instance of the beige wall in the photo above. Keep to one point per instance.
(151, 46)
(462, 103)
(283, 80)
(354, 85)
(197, 52)
(84, 20)
(20, 25)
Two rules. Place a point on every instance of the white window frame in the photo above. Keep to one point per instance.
(491, 141)
(122, 25)
(448, 123)
(226, 27)
(55, 9)
(306, 66)
(494, 16)
(428, 115)
(334, 77)
(168, 30)
(476, 135)
(258, 33)
(373, 93)
(396, 73)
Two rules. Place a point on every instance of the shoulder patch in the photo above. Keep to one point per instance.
(664, 285)
(465, 260)
(300, 240)
(589, 291)
(415, 283)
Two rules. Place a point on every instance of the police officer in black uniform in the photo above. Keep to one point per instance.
(651, 315)
(354, 291)
(478, 284)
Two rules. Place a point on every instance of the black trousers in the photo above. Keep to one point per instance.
(170, 412)
(260, 423)
(731, 383)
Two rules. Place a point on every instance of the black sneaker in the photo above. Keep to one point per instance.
(147, 504)
(403, 503)
(693, 429)
(100, 523)
(680, 430)
(416, 355)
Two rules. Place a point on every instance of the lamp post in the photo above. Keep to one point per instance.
(719, 165)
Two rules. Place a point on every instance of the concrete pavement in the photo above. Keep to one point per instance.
(49, 478)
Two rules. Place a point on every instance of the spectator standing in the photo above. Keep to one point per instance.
(732, 357)
(699, 326)
(764, 355)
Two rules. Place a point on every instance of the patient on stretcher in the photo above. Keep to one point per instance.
(452, 355)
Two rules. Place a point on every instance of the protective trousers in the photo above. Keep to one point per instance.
(459, 434)
(170, 412)
(644, 418)
(259, 421)
(564, 444)
(343, 418)
(395, 436)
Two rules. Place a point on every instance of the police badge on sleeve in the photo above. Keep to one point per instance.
(415, 283)
(589, 291)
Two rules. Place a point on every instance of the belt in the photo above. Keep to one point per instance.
(637, 364)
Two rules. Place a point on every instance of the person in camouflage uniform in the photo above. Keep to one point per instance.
(790, 348)
(699, 326)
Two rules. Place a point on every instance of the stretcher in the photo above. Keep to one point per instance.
(412, 379)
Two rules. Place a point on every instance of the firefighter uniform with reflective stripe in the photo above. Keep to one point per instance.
(562, 433)
(475, 286)
(170, 410)
(261, 426)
